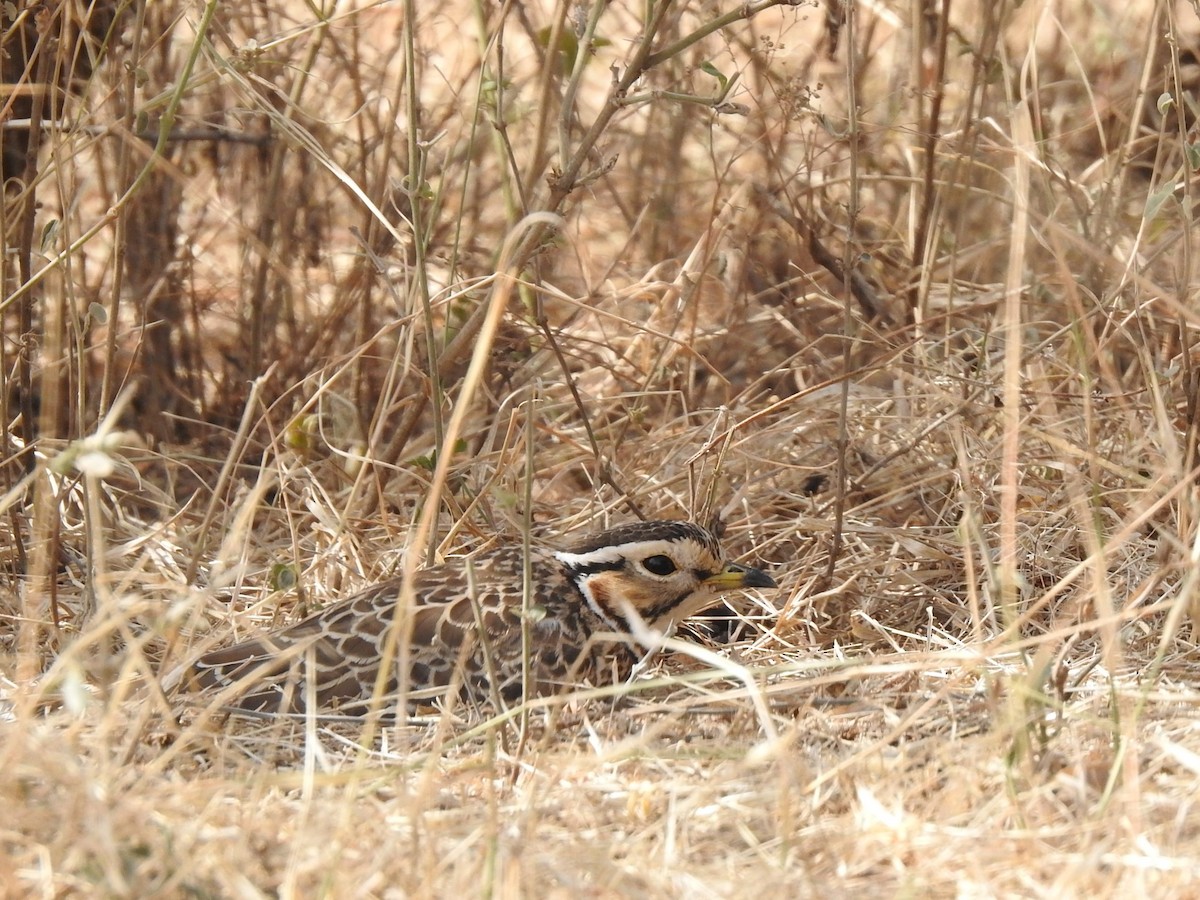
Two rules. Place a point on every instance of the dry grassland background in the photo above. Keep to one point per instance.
(903, 292)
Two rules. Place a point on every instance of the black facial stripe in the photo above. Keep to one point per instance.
(615, 616)
(655, 612)
(600, 565)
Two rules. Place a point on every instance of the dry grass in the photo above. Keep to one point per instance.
(913, 317)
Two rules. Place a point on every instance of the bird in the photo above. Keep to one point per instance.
(472, 629)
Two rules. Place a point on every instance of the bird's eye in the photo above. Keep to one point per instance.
(659, 565)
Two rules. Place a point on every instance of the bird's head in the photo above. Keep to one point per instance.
(662, 572)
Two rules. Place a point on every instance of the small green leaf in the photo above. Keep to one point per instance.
(1155, 201)
(283, 577)
(568, 45)
(1165, 102)
(49, 235)
(428, 462)
(1192, 152)
(301, 433)
(65, 461)
(422, 191)
(712, 70)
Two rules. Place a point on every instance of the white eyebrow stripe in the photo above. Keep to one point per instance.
(607, 556)
(616, 553)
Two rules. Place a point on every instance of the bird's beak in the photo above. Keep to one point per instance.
(735, 576)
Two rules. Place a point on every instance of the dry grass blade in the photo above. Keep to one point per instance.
(903, 297)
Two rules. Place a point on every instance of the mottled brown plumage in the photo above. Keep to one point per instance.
(467, 625)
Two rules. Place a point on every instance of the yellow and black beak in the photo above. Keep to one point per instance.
(736, 576)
